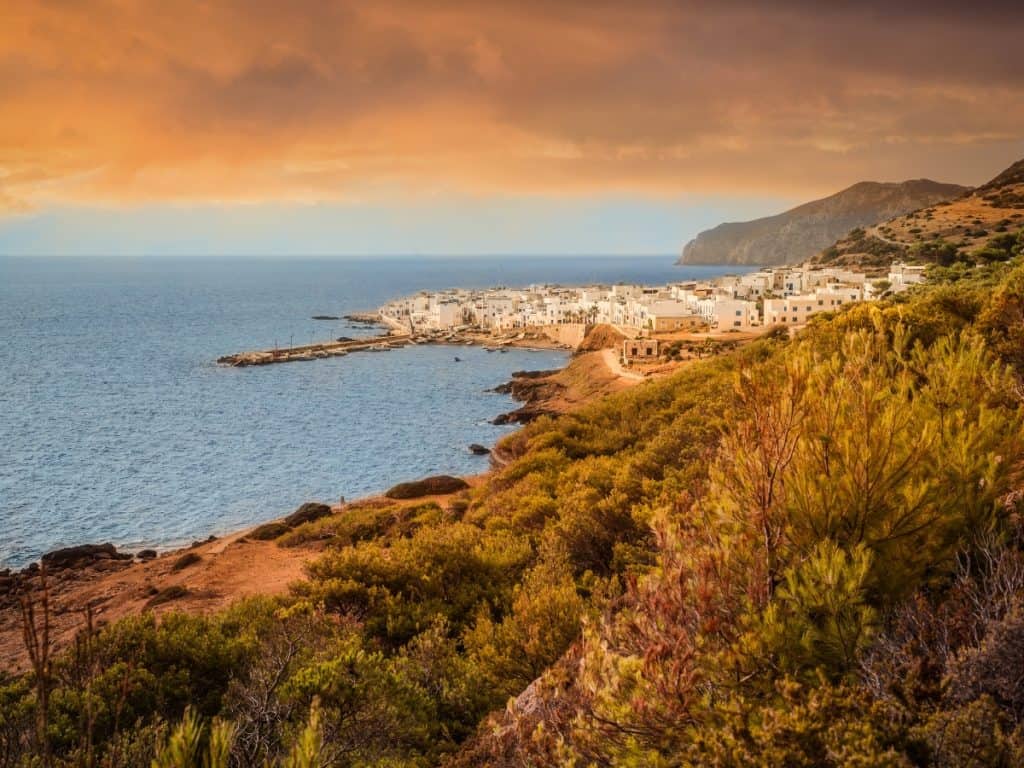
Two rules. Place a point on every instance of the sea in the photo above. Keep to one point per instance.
(117, 424)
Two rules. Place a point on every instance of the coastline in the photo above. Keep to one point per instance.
(237, 565)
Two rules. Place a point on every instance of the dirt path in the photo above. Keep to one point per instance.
(610, 357)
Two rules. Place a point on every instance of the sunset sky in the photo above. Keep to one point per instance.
(415, 126)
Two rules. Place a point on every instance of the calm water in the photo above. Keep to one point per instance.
(116, 424)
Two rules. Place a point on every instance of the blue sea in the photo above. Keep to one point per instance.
(117, 424)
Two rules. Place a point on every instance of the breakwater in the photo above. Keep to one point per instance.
(316, 351)
(540, 337)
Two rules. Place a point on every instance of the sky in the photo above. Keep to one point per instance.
(449, 126)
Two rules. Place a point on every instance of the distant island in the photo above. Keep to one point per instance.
(798, 234)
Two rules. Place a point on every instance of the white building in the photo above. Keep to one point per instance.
(667, 315)
(797, 310)
(445, 313)
(735, 313)
(902, 276)
(726, 302)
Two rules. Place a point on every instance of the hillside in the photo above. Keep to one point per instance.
(801, 232)
(805, 552)
(967, 228)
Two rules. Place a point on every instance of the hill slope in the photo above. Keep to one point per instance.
(961, 229)
(801, 232)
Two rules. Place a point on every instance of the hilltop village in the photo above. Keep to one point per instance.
(743, 304)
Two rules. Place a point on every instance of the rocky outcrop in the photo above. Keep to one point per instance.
(532, 386)
(800, 233)
(428, 486)
(600, 337)
(307, 513)
(523, 415)
(535, 388)
(82, 556)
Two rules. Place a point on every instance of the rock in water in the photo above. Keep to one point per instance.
(479, 450)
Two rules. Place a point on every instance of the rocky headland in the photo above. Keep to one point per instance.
(798, 234)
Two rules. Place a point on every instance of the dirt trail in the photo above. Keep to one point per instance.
(610, 357)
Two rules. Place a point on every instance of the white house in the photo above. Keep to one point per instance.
(735, 313)
(666, 315)
(902, 276)
(445, 313)
(797, 310)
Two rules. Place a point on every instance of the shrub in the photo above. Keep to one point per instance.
(428, 486)
(307, 513)
(186, 560)
(268, 531)
(167, 595)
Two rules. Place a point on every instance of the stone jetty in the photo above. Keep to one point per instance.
(315, 351)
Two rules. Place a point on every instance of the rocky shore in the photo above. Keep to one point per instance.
(534, 388)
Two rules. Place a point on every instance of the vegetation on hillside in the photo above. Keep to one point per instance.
(979, 226)
(807, 552)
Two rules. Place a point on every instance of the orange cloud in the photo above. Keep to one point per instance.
(137, 100)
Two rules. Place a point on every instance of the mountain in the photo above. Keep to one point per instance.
(801, 232)
(970, 228)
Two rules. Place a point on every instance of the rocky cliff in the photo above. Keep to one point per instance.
(801, 232)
